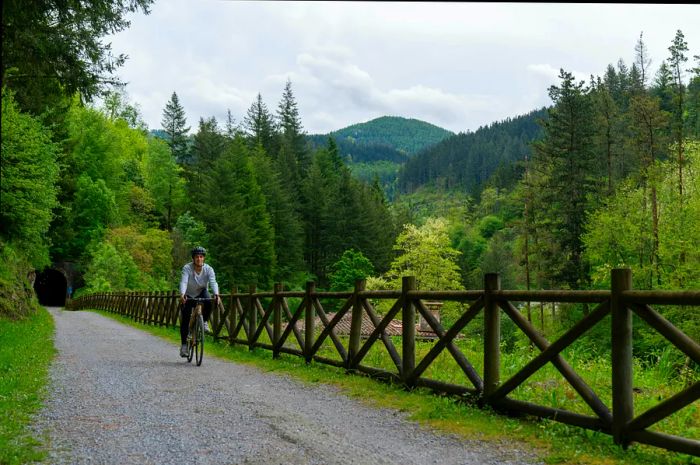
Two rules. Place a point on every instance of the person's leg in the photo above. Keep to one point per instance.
(206, 311)
(185, 313)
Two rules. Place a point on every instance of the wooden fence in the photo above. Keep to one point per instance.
(252, 318)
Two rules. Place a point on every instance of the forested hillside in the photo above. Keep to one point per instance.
(405, 135)
(467, 161)
(376, 150)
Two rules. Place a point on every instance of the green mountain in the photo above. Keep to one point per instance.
(469, 161)
(388, 138)
(405, 135)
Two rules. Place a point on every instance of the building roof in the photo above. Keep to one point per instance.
(394, 328)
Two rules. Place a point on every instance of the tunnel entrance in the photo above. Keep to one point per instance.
(51, 288)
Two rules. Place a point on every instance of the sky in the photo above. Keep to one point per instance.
(459, 66)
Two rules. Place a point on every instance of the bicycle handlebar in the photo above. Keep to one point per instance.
(200, 299)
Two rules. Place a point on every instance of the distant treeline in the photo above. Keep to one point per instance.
(467, 161)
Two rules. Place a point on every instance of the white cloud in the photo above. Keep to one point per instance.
(547, 71)
(458, 65)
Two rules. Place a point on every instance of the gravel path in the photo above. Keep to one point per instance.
(122, 396)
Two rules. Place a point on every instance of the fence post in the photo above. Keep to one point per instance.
(276, 320)
(621, 325)
(173, 308)
(252, 316)
(408, 328)
(309, 321)
(232, 315)
(492, 335)
(355, 323)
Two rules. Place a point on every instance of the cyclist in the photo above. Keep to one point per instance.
(196, 277)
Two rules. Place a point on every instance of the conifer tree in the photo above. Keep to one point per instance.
(608, 140)
(693, 122)
(676, 63)
(240, 232)
(208, 145)
(286, 222)
(662, 87)
(566, 156)
(291, 129)
(648, 128)
(260, 127)
(174, 123)
(642, 60)
(232, 128)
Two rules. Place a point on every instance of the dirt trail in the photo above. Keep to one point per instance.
(119, 395)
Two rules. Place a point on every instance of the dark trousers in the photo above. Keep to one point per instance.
(186, 313)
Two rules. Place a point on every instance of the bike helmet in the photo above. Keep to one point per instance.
(199, 250)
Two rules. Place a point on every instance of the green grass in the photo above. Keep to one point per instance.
(554, 442)
(26, 351)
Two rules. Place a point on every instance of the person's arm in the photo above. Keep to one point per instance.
(183, 283)
(213, 284)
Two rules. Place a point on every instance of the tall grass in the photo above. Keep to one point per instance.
(26, 351)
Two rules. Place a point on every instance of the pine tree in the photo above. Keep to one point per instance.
(648, 127)
(566, 158)
(232, 128)
(286, 222)
(174, 123)
(693, 103)
(208, 145)
(607, 118)
(642, 60)
(292, 132)
(260, 127)
(240, 232)
(662, 88)
(676, 62)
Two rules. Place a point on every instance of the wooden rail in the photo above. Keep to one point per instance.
(244, 318)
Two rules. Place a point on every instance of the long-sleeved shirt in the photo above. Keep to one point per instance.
(192, 283)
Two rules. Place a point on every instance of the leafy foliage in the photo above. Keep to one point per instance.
(29, 172)
(55, 48)
(351, 266)
(620, 230)
(129, 259)
(427, 254)
(163, 180)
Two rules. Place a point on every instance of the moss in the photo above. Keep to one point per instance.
(17, 298)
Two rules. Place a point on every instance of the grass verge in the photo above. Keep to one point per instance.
(555, 443)
(26, 351)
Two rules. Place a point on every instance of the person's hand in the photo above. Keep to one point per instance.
(217, 299)
(183, 299)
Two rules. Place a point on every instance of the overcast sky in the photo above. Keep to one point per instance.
(457, 65)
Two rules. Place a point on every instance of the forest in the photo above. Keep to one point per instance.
(605, 177)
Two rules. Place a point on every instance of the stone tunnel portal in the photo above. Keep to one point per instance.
(51, 288)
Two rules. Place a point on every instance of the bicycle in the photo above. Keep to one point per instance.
(195, 338)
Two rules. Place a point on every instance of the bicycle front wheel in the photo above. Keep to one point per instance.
(190, 348)
(199, 346)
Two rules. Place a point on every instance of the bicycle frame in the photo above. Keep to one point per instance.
(195, 337)
(195, 313)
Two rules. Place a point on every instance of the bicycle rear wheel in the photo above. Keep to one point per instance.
(199, 346)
